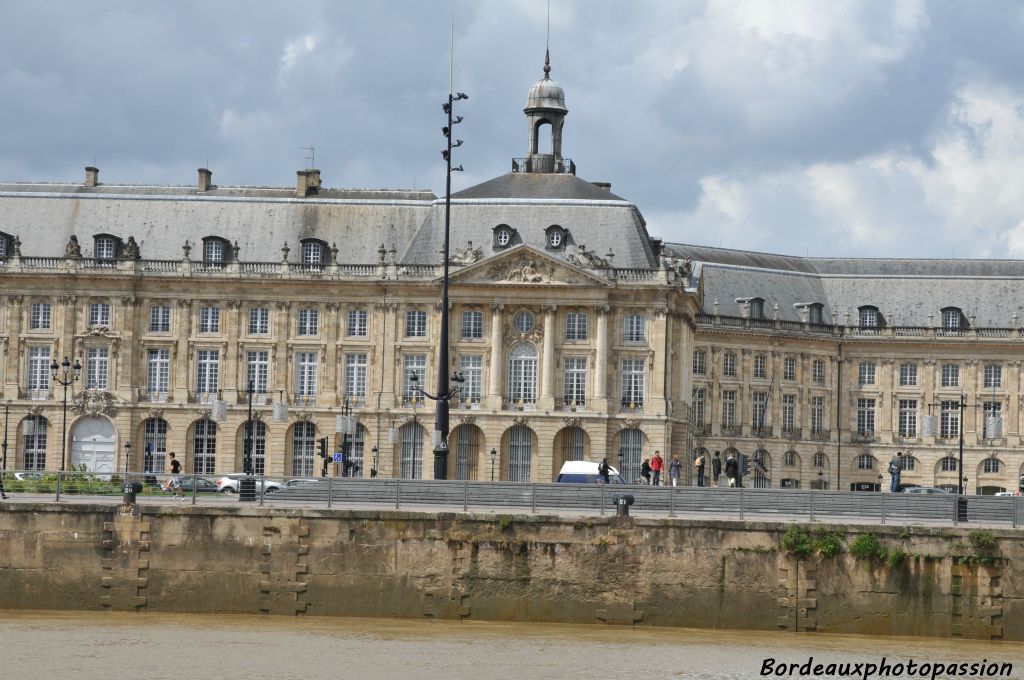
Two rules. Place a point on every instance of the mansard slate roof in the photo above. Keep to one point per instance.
(906, 292)
(262, 219)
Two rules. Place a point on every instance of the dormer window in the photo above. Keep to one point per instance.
(314, 251)
(952, 319)
(555, 237)
(504, 235)
(106, 247)
(814, 313)
(869, 317)
(5, 245)
(216, 250)
(757, 308)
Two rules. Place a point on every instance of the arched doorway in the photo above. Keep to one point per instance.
(303, 445)
(204, 447)
(33, 443)
(518, 450)
(761, 469)
(259, 447)
(410, 451)
(630, 453)
(92, 445)
(154, 445)
(571, 443)
(466, 441)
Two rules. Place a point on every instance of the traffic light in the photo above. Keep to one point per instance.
(323, 447)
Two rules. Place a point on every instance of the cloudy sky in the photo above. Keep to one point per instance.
(885, 128)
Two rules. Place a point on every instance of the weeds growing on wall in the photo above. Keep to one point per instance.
(801, 543)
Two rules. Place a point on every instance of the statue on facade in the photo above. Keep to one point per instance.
(587, 258)
(467, 255)
(526, 274)
(682, 266)
(72, 249)
(130, 251)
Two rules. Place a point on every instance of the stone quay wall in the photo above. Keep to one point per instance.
(632, 571)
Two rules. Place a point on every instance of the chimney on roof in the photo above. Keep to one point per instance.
(92, 176)
(307, 183)
(205, 179)
(607, 186)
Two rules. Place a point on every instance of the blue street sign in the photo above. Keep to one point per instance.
(338, 458)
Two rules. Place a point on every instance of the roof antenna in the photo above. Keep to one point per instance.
(311, 158)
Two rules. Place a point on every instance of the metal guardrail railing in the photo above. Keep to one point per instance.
(718, 502)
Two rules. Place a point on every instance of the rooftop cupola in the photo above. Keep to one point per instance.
(545, 113)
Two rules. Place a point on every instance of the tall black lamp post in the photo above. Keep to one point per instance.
(247, 447)
(68, 375)
(127, 457)
(442, 398)
(494, 457)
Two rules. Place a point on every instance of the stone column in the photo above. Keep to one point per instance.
(657, 398)
(974, 416)
(888, 403)
(494, 390)
(1012, 385)
(279, 354)
(232, 380)
(12, 348)
(600, 391)
(547, 370)
(387, 365)
(331, 389)
(181, 358)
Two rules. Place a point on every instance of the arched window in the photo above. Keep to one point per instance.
(314, 251)
(908, 463)
(520, 452)
(761, 467)
(216, 250)
(303, 449)
(948, 464)
(790, 459)
(411, 462)
(952, 319)
(467, 451)
(820, 460)
(865, 461)
(34, 432)
(522, 374)
(154, 442)
(204, 447)
(357, 451)
(869, 317)
(631, 447)
(259, 447)
(990, 466)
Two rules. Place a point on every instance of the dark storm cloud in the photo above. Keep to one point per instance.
(844, 128)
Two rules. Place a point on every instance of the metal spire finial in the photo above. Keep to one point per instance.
(547, 65)
(547, 47)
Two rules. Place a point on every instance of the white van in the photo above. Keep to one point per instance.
(585, 472)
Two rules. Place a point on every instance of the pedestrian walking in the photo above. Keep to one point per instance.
(674, 468)
(174, 483)
(657, 465)
(699, 464)
(645, 471)
(731, 469)
(716, 467)
(603, 470)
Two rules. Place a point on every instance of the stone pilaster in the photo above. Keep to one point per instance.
(547, 370)
(600, 389)
(494, 373)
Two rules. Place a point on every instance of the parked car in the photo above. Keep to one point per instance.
(1007, 493)
(27, 476)
(295, 483)
(585, 472)
(925, 490)
(202, 484)
(229, 483)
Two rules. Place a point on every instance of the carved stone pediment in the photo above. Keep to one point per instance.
(94, 403)
(520, 420)
(572, 421)
(630, 423)
(526, 265)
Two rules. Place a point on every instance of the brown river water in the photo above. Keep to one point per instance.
(111, 646)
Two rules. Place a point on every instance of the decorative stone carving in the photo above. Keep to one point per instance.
(630, 423)
(467, 255)
(527, 273)
(36, 410)
(130, 250)
(572, 421)
(99, 331)
(304, 415)
(72, 249)
(258, 415)
(284, 252)
(155, 413)
(17, 247)
(186, 249)
(582, 257)
(94, 403)
(467, 420)
(520, 420)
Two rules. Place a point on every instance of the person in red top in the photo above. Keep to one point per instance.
(657, 466)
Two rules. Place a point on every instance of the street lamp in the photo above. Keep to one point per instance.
(373, 470)
(494, 457)
(247, 447)
(880, 478)
(821, 480)
(67, 378)
(127, 457)
(443, 391)
(442, 398)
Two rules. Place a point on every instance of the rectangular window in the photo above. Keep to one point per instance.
(866, 373)
(413, 364)
(575, 381)
(415, 324)
(633, 373)
(818, 371)
(472, 368)
(259, 320)
(257, 370)
(634, 328)
(908, 375)
(40, 317)
(99, 314)
(789, 368)
(305, 373)
(908, 418)
(160, 319)
(761, 366)
(866, 417)
(356, 324)
(729, 408)
(992, 409)
(729, 365)
(575, 326)
(950, 375)
(472, 325)
(817, 415)
(700, 362)
(993, 375)
(788, 412)
(209, 319)
(158, 367)
(949, 420)
(97, 362)
(355, 376)
(39, 371)
(698, 405)
(208, 370)
(309, 321)
(760, 404)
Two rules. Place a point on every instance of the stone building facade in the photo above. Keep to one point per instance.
(578, 333)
